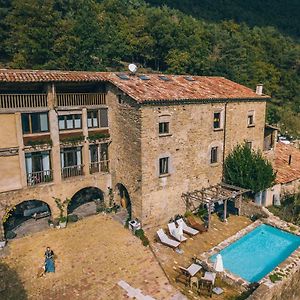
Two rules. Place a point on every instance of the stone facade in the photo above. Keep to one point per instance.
(188, 147)
(135, 145)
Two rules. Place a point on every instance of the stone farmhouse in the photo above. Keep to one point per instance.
(143, 138)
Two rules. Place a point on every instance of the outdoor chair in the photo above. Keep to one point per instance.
(186, 228)
(196, 225)
(187, 274)
(164, 239)
(205, 286)
(174, 232)
(210, 276)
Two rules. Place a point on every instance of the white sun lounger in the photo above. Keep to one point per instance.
(175, 232)
(166, 240)
(187, 229)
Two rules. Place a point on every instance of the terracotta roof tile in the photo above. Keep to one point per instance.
(8, 75)
(179, 88)
(154, 89)
(285, 172)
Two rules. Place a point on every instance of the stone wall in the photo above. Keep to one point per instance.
(287, 289)
(125, 149)
(188, 146)
(249, 209)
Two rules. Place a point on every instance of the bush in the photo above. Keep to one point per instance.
(10, 235)
(63, 219)
(275, 277)
(248, 169)
(141, 235)
(73, 218)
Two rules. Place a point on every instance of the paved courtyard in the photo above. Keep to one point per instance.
(93, 255)
(193, 247)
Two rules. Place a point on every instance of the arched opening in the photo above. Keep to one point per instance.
(123, 199)
(86, 202)
(27, 217)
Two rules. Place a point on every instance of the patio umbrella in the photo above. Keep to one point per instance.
(218, 265)
(180, 229)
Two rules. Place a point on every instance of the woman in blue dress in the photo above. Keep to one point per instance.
(49, 261)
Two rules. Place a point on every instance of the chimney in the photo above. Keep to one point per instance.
(259, 89)
(290, 159)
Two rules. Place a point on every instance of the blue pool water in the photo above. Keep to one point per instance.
(257, 253)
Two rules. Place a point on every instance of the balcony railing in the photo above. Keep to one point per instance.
(80, 99)
(99, 166)
(35, 178)
(72, 171)
(23, 100)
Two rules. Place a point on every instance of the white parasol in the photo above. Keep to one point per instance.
(218, 265)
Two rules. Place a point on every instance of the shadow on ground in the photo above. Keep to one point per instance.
(11, 287)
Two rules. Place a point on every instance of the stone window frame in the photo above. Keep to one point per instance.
(170, 165)
(221, 112)
(249, 144)
(164, 118)
(251, 116)
(219, 146)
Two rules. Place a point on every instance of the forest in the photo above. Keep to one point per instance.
(190, 37)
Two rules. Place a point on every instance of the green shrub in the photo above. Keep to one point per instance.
(73, 218)
(10, 235)
(145, 241)
(275, 277)
(139, 233)
(63, 219)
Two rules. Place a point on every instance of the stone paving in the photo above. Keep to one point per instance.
(93, 255)
(194, 247)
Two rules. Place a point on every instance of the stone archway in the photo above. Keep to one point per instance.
(123, 199)
(26, 217)
(86, 201)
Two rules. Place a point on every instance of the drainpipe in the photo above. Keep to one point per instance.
(224, 138)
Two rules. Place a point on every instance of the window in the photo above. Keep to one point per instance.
(99, 158)
(35, 123)
(70, 157)
(103, 117)
(217, 120)
(123, 76)
(93, 119)
(250, 118)
(248, 144)
(164, 127)
(144, 77)
(214, 155)
(164, 166)
(164, 78)
(67, 122)
(38, 168)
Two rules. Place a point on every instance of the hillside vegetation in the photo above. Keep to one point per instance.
(105, 35)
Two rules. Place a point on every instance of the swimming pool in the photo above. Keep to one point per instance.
(257, 253)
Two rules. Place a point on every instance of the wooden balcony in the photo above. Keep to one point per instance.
(35, 178)
(11, 101)
(72, 171)
(99, 166)
(80, 99)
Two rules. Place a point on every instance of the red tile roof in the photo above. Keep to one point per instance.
(8, 75)
(285, 172)
(178, 88)
(154, 89)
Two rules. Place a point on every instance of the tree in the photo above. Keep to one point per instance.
(248, 169)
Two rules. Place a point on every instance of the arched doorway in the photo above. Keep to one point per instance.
(123, 199)
(26, 217)
(86, 202)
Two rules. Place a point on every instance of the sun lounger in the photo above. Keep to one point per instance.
(175, 232)
(166, 240)
(187, 229)
(192, 221)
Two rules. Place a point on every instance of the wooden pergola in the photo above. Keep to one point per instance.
(209, 196)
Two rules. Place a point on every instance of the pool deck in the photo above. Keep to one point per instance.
(290, 265)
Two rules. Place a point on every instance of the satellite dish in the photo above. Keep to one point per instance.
(132, 68)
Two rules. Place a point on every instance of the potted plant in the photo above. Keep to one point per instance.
(62, 205)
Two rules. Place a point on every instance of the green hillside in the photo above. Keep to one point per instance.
(108, 34)
(281, 14)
